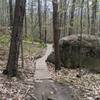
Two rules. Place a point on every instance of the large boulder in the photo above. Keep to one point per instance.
(74, 52)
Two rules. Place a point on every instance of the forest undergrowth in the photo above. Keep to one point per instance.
(22, 86)
(87, 87)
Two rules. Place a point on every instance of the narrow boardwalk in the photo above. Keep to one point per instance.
(45, 87)
(42, 72)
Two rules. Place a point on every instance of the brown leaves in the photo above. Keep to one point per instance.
(88, 86)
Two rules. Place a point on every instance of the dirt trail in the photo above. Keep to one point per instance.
(45, 87)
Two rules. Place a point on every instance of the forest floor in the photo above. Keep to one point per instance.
(87, 87)
(46, 88)
(30, 85)
(20, 87)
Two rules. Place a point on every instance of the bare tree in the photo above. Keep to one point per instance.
(66, 5)
(39, 18)
(81, 32)
(56, 34)
(45, 18)
(25, 24)
(31, 15)
(72, 17)
(12, 65)
(93, 17)
(88, 11)
(11, 13)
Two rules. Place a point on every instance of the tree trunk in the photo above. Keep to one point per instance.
(93, 17)
(61, 16)
(88, 11)
(25, 25)
(11, 13)
(45, 18)
(56, 34)
(81, 32)
(66, 5)
(72, 18)
(39, 18)
(12, 65)
(32, 19)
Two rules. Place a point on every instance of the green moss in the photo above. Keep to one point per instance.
(4, 39)
(30, 38)
(30, 47)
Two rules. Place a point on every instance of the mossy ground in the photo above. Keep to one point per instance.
(30, 48)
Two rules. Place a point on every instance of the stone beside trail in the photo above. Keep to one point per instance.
(45, 87)
(71, 55)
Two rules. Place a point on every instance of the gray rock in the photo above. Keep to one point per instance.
(70, 52)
